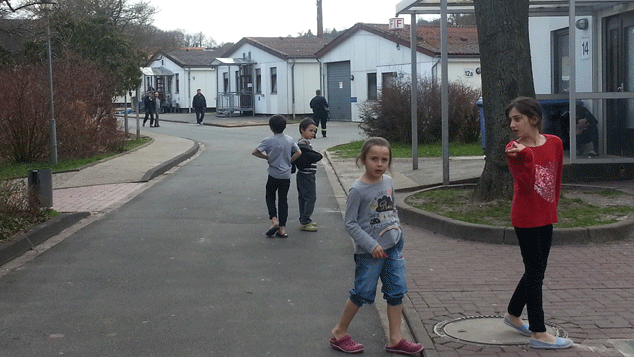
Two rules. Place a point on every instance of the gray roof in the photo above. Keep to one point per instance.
(284, 47)
(196, 57)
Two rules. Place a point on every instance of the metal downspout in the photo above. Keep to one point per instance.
(189, 90)
(293, 87)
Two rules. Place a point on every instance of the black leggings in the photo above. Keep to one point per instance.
(280, 186)
(535, 247)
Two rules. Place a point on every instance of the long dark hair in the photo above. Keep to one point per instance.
(529, 107)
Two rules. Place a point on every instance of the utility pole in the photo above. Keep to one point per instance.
(320, 21)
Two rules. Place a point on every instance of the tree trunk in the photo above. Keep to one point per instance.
(507, 73)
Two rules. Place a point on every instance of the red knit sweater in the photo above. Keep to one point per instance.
(537, 183)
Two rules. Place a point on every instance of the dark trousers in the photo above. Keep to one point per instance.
(590, 135)
(321, 120)
(149, 114)
(306, 196)
(535, 247)
(200, 114)
(281, 186)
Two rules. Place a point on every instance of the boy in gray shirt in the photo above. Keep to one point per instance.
(279, 151)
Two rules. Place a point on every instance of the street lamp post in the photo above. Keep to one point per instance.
(51, 123)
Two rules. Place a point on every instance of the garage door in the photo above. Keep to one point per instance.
(338, 94)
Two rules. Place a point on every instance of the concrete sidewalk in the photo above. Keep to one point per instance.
(97, 187)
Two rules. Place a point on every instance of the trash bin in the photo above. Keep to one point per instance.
(482, 136)
(40, 185)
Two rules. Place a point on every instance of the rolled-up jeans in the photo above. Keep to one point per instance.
(390, 270)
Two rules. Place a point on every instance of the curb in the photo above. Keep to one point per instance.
(40, 233)
(162, 168)
(448, 227)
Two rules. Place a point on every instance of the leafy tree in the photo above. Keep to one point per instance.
(99, 40)
(507, 73)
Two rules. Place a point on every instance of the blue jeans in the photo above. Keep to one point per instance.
(390, 270)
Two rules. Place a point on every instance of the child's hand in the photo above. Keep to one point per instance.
(378, 252)
(514, 150)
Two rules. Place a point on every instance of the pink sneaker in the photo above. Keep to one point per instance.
(346, 344)
(405, 347)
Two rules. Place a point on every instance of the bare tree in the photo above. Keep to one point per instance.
(507, 72)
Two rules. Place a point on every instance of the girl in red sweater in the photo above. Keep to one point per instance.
(536, 161)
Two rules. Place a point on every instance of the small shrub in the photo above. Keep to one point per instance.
(17, 211)
(389, 116)
(85, 123)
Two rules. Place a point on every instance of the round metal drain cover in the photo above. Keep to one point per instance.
(487, 330)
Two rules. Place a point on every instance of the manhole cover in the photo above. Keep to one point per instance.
(487, 330)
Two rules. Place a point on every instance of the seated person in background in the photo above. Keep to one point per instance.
(586, 130)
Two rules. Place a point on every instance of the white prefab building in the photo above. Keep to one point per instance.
(361, 60)
(177, 75)
(268, 75)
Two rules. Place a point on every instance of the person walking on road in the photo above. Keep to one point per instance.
(306, 166)
(200, 104)
(372, 221)
(279, 151)
(320, 108)
(148, 103)
(536, 162)
(157, 109)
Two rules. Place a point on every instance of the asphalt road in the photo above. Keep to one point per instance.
(184, 269)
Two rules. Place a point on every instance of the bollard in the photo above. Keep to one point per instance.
(40, 186)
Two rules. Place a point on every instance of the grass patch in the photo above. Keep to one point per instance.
(402, 150)
(14, 170)
(577, 208)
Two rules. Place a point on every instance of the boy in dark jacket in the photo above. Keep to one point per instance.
(306, 166)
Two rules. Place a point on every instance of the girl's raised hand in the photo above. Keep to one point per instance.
(513, 151)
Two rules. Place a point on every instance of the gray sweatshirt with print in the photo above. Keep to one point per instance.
(370, 210)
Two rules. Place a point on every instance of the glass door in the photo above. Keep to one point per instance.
(620, 78)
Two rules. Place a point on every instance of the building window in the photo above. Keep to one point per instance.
(372, 90)
(177, 84)
(225, 82)
(561, 61)
(388, 79)
(258, 80)
(273, 80)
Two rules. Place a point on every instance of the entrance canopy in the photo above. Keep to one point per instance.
(613, 104)
(536, 7)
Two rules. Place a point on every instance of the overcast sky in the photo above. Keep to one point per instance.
(231, 20)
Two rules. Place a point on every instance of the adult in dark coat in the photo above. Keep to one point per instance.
(320, 108)
(150, 108)
(200, 104)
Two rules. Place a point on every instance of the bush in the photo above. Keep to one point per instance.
(17, 211)
(85, 123)
(389, 116)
